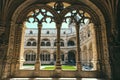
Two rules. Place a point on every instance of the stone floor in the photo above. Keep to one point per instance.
(55, 79)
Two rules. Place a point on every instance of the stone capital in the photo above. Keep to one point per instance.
(58, 24)
(39, 26)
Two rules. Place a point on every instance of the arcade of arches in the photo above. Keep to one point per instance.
(91, 39)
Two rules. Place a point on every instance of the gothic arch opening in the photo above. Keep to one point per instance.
(77, 16)
(72, 57)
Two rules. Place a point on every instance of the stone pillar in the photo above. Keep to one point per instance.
(58, 57)
(9, 54)
(98, 36)
(37, 64)
(82, 59)
(22, 46)
(94, 47)
(12, 52)
(18, 45)
(65, 42)
(88, 52)
(15, 53)
(78, 48)
(52, 58)
(52, 43)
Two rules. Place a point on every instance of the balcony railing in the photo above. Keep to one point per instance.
(35, 34)
(51, 47)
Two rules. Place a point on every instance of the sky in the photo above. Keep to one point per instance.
(45, 25)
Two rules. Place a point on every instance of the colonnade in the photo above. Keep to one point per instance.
(58, 56)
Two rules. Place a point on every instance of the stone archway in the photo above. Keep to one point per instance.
(71, 57)
(99, 30)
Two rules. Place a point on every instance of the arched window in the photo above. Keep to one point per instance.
(54, 56)
(71, 43)
(64, 32)
(62, 43)
(34, 44)
(48, 32)
(31, 32)
(45, 42)
(33, 57)
(71, 57)
(42, 43)
(31, 42)
(48, 57)
(30, 56)
(28, 43)
(27, 58)
(41, 57)
(45, 56)
(62, 57)
(48, 44)
(54, 43)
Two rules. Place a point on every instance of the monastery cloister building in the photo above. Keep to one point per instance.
(84, 34)
(67, 46)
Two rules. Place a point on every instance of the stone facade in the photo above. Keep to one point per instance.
(68, 45)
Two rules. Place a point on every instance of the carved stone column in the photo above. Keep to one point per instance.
(51, 57)
(58, 57)
(17, 46)
(37, 64)
(22, 60)
(100, 53)
(9, 53)
(14, 48)
(94, 47)
(78, 47)
(52, 42)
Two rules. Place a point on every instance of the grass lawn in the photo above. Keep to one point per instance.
(64, 67)
(52, 67)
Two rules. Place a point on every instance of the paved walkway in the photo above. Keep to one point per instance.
(31, 67)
